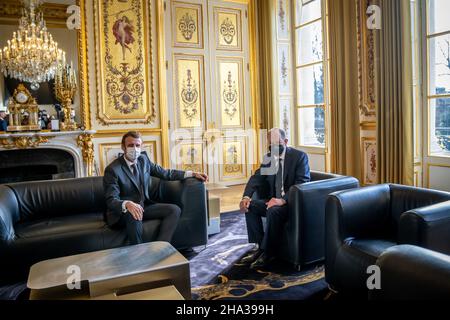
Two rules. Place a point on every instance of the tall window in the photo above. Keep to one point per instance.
(438, 44)
(311, 72)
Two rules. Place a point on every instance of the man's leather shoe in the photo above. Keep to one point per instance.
(251, 256)
(262, 261)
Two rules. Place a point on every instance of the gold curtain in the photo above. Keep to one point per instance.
(265, 10)
(344, 133)
(395, 107)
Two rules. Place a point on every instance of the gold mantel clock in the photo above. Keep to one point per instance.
(23, 111)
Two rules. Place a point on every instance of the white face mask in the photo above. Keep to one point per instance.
(133, 153)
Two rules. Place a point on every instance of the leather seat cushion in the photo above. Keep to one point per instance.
(352, 261)
(60, 225)
(372, 248)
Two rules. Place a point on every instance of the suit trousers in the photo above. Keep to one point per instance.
(169, 214)
(268, 237)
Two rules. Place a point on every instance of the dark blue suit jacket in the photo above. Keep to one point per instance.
(296, 171)
(119, 184)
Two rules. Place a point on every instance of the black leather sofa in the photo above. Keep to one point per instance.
(303, 241)
(48, 219)
(413, 273)
(361, 224)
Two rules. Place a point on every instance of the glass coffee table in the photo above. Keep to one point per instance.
(115, 272)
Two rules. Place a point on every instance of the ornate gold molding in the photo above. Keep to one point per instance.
(366, 61)
(55, 14)
(22, 142)
(108, 110)
(86, 144)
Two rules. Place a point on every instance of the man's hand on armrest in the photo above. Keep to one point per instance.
(197, 175)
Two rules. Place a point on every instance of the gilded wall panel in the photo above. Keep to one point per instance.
(189, 84)
(190, 156)
(233, 157)
(369, 160)
(228, 28)
(187, 27)
(124, 62)
(230, 91)
(283, 19)
(367, 56)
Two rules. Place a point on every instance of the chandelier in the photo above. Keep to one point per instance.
(31, 55)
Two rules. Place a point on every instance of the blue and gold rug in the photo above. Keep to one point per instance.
(216, 272)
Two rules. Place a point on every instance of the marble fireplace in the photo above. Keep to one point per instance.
(30, 156)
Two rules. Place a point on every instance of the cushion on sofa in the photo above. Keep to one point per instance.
(60, 225)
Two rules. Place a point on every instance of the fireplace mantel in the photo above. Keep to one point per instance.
(78, 143)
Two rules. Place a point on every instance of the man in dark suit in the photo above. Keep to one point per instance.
(126, 184)
(282, 168)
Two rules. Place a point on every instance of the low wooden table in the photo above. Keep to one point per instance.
(115, 272)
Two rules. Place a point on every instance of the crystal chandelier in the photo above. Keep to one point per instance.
(31, 55)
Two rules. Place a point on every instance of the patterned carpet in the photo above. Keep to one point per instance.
(217, 274)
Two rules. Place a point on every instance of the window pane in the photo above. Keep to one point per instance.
(307, 10)
(312, 126)
(309, 43)
(438, 11)
(310, 85)
(440, 126)
(439, 65)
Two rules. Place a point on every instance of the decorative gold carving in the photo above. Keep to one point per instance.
(366, 62)
(187, 27)
(230, 77)
(23, 111)
(22, 142)
(55, 14)
(83, 68)
(65, 89)
(191, 157)
(86, 144)
(125, 81)
(228, 33)
(233, 160)
(189, 87)
(189, 96)
(369, 160)
(230, 96)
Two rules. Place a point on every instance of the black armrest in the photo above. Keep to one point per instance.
(411, 272)
(353, 213)
(427, 227)
(190, 196)
(9, 214)
(306, 222)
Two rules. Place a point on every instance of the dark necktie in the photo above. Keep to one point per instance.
(279, 180)
(135, 170)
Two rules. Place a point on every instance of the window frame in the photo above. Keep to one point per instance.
(325, 62)
(427, 37)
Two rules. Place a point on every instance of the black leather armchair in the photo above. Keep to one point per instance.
(48, 219)
(303, 241)
(361, 224)
(413, 273)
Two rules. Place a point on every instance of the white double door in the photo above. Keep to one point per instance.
(209, 92)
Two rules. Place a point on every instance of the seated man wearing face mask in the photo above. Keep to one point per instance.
(126, 183)
(282, 168)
